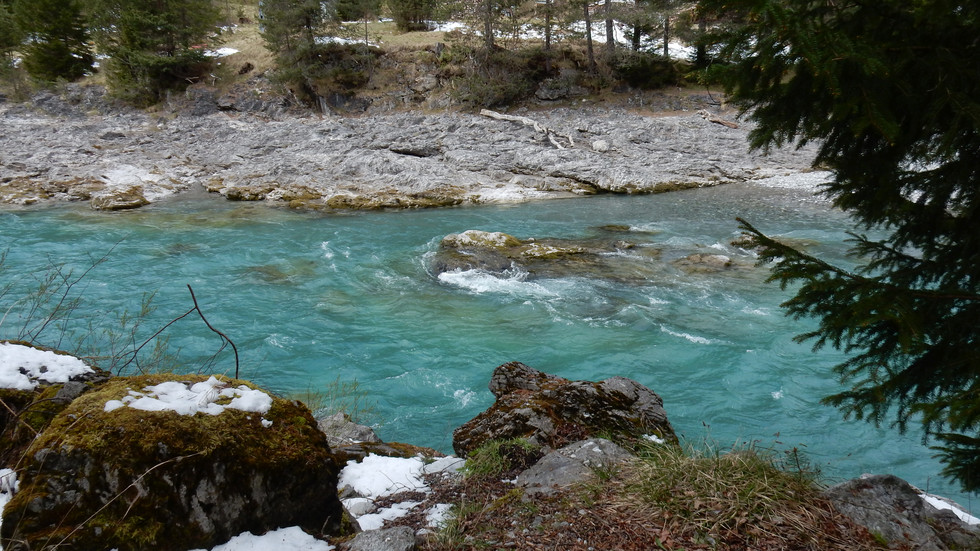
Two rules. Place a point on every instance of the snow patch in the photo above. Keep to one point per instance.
(24, 367)
(941, 503)
(283, 539)
(221, 52)
(8, 487)
(378, 476)
(190, 399)
(654, 438)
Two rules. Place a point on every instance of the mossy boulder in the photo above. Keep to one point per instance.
(552, 411)
(26, 412)
(119, 477)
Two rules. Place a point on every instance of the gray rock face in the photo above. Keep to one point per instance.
(63, 151)
(894, 511)
(574, 463)
(552, 411)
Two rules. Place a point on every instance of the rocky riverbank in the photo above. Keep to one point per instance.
(77, 146)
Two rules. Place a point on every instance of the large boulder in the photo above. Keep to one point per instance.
(553, 411)
(897, 514)
(172, 462)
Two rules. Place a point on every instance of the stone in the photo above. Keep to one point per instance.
(120, 199)
(500, 253)
(572, 464)
(551, 411)
(895, 512)
(399, 538)
(600, 146)
(341, 431)
(128, 478)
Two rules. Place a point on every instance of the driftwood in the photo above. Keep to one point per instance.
(715, 119)
(548, 132)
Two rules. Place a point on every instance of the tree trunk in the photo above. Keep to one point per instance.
(610, 32)
(667, 36)
(588, 36)
(701, 59)
(547, 36)
(488, 24)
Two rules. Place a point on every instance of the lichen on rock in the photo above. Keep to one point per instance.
(552, 411)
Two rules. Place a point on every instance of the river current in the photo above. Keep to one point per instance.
(312, 299)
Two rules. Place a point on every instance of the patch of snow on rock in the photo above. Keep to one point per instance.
(196, 398)
(24, 367)
(942, 503)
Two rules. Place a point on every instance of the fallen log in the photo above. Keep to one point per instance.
(716, 119)
(526, 121)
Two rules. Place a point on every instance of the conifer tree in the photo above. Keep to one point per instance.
(890, 93)
(11, 36)
(57, 46)
(153, 46)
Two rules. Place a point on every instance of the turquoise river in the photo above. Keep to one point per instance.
(316, 299)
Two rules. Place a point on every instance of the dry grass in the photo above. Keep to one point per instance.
(666, 499)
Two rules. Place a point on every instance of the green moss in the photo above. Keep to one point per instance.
(114, 452)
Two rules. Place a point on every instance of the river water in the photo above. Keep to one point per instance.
(314, 299)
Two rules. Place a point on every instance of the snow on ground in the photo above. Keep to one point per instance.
(283, 539)
(221, 52)
(377, 476)
(8, 487)
(23, 367)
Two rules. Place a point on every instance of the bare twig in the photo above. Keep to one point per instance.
(222, 335)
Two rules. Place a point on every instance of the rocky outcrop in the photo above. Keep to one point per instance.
(552, 411)
(172, 462)
(897, 515)
(74, 146)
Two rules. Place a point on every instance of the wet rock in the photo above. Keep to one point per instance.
(120, 199)
(501, 253)
(129, 478)
(893, 511)
(706, 263)
(552, 411)
(572, 464)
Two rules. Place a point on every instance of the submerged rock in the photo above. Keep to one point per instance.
(117, 469)
(552, 411)
(499, 253)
